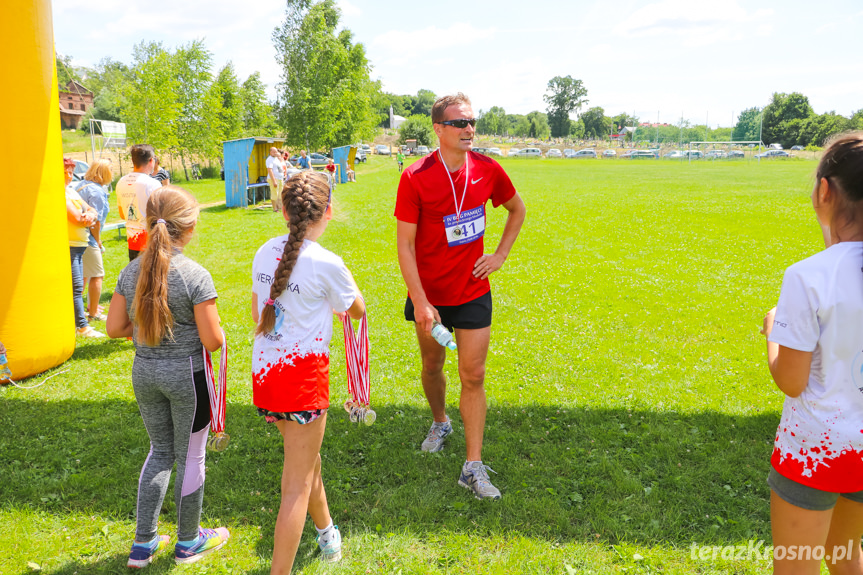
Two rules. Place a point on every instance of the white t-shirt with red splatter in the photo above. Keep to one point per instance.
(819, 442)
(290, 365)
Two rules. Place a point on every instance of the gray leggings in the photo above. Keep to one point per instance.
(174, 403)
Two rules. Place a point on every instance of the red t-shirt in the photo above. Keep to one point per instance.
(425, 198)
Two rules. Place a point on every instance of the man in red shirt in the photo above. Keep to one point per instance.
(440, 208)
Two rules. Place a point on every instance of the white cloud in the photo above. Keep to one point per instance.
(349, 8)
(694, 23)
(459, 34)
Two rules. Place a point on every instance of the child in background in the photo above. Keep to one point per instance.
(814, 343)
(167, 303)
(297, 285)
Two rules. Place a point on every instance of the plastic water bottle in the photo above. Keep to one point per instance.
(442, 336)
(5, 372)
(360, 413)
(218, 441)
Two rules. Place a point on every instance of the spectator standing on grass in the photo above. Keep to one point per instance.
(133, 189)
(275, 177)
(440, 208)
(160, 174)
(167, 304)
(303, 161)
(297, 286)
(79, 217)
(94, 190)
(814, 338)
(331, 171)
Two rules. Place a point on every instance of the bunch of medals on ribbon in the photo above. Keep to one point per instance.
(357, 361)
(218, 441)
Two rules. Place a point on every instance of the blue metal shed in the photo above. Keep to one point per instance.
(245, 165)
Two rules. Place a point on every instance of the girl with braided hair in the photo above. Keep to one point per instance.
(297, 286)
(815, 355)
(167, 304)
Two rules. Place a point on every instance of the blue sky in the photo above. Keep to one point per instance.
(704, 61)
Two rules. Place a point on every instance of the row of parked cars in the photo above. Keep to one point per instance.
(634, 154)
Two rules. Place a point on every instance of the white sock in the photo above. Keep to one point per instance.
(321, 532)
(468, 463)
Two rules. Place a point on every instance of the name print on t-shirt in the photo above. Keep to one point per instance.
(268, 279)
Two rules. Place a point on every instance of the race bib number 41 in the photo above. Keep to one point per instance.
(469, 227)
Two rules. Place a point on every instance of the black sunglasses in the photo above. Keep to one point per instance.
(460, 124)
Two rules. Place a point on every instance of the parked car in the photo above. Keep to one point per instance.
(479, 150)
(494, 152)
(636, 154)
(585, 153)
(528, 153)
(693, 154)
(512, 152)
(609, 154)
(553, 153)
(797, 148)
(736, 154)
(422, 150)
(360, 156)
(774, 147)
(773, 154)
(315, 159)
(715, 155)
(675, 154)
(80, 169)
(366, 148)
(382, 150)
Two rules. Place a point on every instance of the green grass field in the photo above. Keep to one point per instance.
(631, 413)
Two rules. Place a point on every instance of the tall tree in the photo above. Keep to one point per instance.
(150, 107)
(518, 125)
(782, 109)
(226, 89)
(576, 129)
(418, 127)
(424, 102)
(815, 130)
(748, 125)
(66, 71)
(258, 116)
(596, 125)
(325, 95)
(564, 95)
(538, 125)
(492, 122)
(197, 127)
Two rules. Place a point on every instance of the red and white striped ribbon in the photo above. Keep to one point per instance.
(357, 359)
(218, 390)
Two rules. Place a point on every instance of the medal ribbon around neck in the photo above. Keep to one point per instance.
(452, 184)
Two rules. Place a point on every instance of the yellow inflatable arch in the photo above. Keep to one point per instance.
(37, 323)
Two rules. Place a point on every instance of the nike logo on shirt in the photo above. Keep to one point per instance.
(476, 180)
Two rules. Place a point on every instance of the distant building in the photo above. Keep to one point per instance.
(622, 134)
(75, 100)
(395, 120)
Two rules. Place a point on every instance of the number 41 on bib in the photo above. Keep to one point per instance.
(465, 228)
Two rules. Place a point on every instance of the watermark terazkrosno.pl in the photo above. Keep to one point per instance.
(757, 551)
